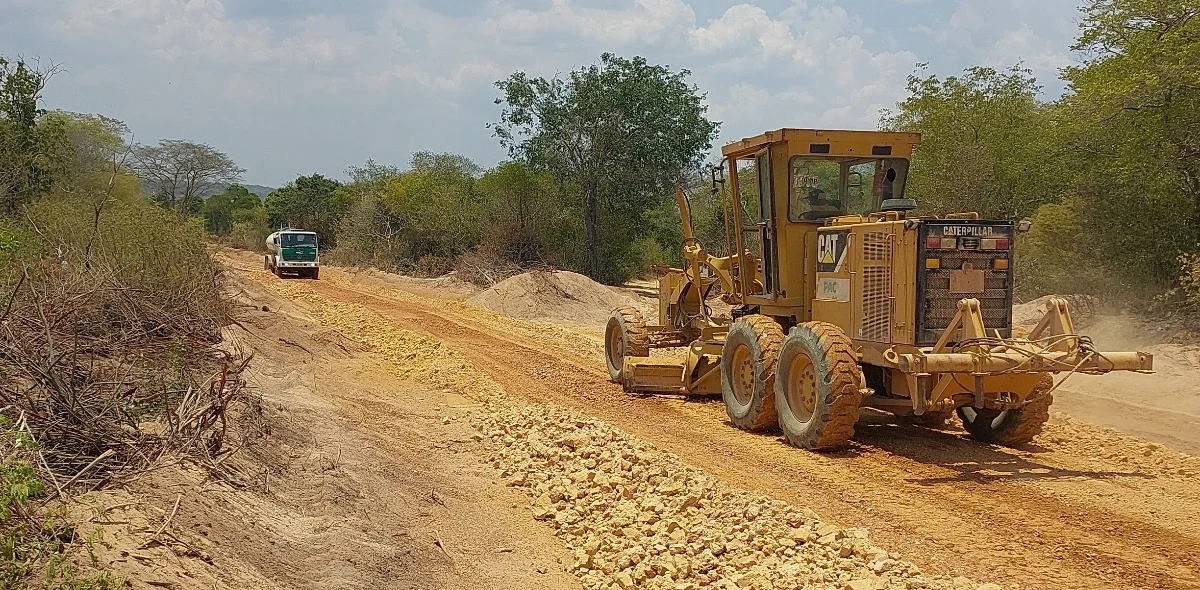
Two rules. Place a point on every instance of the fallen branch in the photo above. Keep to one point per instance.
(166, 522)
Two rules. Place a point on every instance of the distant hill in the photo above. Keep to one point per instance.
(258, 189)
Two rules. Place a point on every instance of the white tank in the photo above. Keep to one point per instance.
(271, 241)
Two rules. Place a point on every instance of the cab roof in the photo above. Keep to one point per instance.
(831, 142)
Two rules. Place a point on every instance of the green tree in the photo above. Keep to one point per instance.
(520, 204)
(311, 202)
(987, 143)
(218, 214)
(1133, 109)
(34, 149)
(435, 205)
(620, 132)
(179, 173)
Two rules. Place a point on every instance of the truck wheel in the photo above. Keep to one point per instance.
(316, 272)
(748, 372)
(817, 386)
(1011, 427)
(625, 335)
(266, 262)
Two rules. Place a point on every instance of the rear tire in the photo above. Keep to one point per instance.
(266, 262)
(748, 372)
(1011, 427)
(625, 335)
(817, 386)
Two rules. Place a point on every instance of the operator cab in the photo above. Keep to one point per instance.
(790, 182)
(824, 187)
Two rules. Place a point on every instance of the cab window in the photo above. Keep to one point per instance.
(825, 188)
(815, 189)
(299, 239)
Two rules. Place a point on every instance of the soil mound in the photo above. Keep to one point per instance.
(558, 296)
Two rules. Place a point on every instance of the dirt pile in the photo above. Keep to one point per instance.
(559, 296)
(636, 517)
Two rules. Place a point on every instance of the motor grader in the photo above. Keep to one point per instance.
(841, 297)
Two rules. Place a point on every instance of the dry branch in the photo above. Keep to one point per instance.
(110, 380)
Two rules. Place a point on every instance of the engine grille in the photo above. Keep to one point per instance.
(877, 287)
(936, 306)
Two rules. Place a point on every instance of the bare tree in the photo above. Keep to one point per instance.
(178, 171)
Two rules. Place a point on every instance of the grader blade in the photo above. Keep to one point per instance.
(649, 375)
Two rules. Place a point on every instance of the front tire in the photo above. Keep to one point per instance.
(1011, 427)
(748, 372)
(817, 386)
(625, 335)
(316, 273)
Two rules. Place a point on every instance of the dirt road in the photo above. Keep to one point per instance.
(1082, 508)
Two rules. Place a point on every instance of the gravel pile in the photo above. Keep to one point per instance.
(636, 517)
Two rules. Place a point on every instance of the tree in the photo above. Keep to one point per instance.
(987, 143)
(33, 148)
(435, 205)
(1133, 109)
(311, 202)
(179, 172)
(621, 132)
(519, 203)
(235, 204)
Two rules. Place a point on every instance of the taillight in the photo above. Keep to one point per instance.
(993, 244)
(936, 243)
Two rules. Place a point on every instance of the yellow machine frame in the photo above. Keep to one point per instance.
(969, 364)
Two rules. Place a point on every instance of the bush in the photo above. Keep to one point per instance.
(1060, 256)
(136, 245)
(1189, 278)
(109, 355)
(484, 268)
(432, 266)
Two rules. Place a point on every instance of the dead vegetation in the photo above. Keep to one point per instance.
(111, 355)
(109, 380)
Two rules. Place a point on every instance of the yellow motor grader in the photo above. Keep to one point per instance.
(841, 298)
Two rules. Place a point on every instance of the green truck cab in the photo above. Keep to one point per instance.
(293, 251)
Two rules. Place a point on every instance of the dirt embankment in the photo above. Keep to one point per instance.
(561, 297)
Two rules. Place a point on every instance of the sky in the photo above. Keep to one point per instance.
(291, 87)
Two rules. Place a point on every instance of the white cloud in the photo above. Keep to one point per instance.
(201, 31)
(645, 21)
(1033, 32)
(402, 76)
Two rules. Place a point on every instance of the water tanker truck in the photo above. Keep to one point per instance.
(293, 251)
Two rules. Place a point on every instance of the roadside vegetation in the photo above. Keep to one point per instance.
(111, 312)
(111, 308)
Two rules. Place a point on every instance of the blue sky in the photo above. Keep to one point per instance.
(290, 87)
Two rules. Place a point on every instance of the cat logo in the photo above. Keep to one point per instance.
(831, 250)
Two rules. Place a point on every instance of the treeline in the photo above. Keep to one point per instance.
(1109, 173)
(594, 158)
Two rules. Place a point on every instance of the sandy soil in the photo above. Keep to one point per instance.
(366, 481)
(1083, 508)
(372, 461)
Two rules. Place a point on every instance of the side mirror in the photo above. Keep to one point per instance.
(718, 177)
(1024, 225)
(854, 182)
